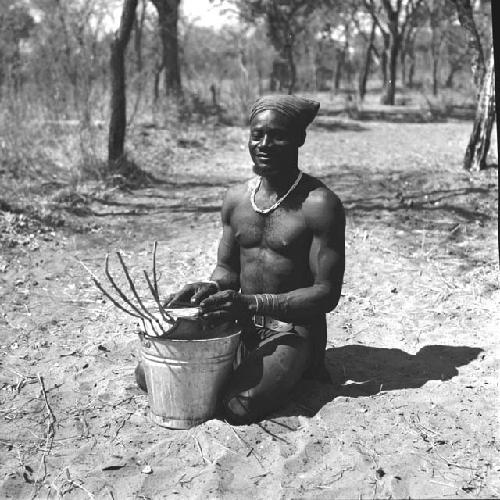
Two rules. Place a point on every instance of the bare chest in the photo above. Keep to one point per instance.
(284, 230)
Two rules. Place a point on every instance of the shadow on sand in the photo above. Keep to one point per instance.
(360, 371)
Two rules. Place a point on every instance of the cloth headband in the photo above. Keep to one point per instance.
(301, 111)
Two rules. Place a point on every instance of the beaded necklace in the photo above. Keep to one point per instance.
(265, 211)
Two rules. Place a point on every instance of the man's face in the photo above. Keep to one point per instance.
(273, 143)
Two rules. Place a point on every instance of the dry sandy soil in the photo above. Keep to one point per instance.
(413, 344)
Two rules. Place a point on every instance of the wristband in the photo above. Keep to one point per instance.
(270, 304)
(256, 303)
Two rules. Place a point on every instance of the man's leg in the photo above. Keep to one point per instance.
(263, 382)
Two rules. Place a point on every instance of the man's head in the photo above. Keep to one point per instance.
(277, 129)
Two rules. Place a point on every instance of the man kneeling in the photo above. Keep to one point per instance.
(280, 264)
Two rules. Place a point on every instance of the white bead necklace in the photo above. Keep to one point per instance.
(265, 211)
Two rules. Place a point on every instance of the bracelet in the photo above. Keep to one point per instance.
(267, 303)
(256, 303)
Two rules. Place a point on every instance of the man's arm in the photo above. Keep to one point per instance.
(227, 271)
(226, 275)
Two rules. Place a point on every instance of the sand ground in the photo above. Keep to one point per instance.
(413, 344)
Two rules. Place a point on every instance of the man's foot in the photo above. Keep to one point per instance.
(140, 377)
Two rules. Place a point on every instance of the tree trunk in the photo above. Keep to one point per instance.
(292, 68)
(338, 69)
(435, 67)
(390, 94)
(436, 41)
(466, 18)
(367, 63)
(260, 79)
(168, 15)
(384, 58)
(118, 118)
(479, 141)
(341, 62)
(449, 79)
(138, 29)
(403, 68)
(411, 71)
(156, 82)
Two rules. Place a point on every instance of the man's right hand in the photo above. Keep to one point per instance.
(192, 294)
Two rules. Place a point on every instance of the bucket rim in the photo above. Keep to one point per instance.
(162, 339)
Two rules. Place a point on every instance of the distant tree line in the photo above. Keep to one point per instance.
(64, 57)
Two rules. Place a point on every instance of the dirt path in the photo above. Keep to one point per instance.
(413, 345)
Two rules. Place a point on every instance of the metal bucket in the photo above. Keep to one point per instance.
(185, 376)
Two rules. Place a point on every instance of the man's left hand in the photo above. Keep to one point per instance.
(227, 305)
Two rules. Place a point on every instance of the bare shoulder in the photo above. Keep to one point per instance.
(322, 207)
(234, 196)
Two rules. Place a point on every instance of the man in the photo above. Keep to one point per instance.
(280, 264)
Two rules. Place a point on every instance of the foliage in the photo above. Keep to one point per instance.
(286, 22)
(55, 85)
(16, 23)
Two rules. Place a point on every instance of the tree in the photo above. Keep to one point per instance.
(455, 53)
(365, 71)
(479, 141)
(168, 16)
(409, 42)
(68, 53)
(16, 23)
(342, 27)
(286, 21)
(440, 14)
(393, 18)
(466, 18)
(118, 119)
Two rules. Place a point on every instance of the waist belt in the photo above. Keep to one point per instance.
(271, 323)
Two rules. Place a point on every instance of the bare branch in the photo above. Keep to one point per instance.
(120, 292)
(106, 294)
(136, 295)
(166, 317)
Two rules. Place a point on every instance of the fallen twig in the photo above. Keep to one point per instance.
(443, 484)
(274, 436)
(337, 477)
(50, 433)
(198, 445)
(453, 464)
(120, 426)
(251, 449)
(75, 484)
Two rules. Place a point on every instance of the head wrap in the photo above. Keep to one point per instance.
(299, 110)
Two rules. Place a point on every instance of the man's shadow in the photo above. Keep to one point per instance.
(360, 371)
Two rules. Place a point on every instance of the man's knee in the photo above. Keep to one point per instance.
(140, 377)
